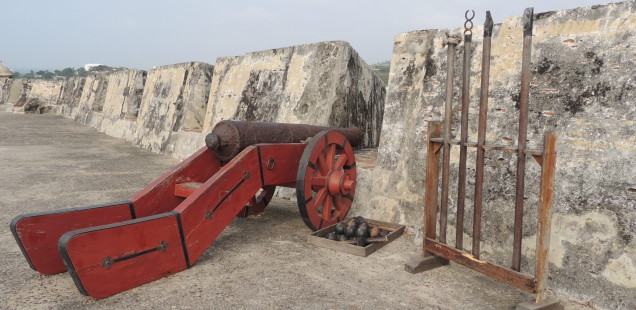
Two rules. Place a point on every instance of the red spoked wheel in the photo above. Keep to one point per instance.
(257, 204)
(326, 180)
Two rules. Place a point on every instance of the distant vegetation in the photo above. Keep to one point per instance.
(382, 70)
(65, 73)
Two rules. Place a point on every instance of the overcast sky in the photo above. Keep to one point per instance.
(141, 34)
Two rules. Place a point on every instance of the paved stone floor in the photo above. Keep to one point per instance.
(263, 262)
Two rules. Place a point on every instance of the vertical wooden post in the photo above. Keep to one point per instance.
(523, 135)
(546, 193)
(432, 181)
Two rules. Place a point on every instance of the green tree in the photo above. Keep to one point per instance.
(30, 75)
(81, 72)
(382, 70)
(67, 72)
(45, 74)
(100, 68)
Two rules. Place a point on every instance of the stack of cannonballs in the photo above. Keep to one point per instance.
(357, 231)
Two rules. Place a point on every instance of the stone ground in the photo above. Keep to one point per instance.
(263, 262)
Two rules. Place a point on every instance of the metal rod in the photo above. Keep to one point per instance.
(451, 43)
(546, 193)
(481, 135)
(432, 180)
(523, 136)
(461, 183)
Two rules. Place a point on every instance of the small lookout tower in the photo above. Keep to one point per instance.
(5, 73)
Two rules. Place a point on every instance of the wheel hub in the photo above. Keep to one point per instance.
(339, 183)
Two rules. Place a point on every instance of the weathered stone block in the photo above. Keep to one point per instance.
(70, 97)
(172, 108)
(583, 87)
(91, 103)
(122, 104)
(5, 90)
(42, 94)
(14, 93)
(325, 84)
(23, 95)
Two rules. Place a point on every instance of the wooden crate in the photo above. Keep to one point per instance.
(318, 238)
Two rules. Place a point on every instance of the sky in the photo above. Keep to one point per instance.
(142, 34)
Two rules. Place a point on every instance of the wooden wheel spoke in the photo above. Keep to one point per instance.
(326, 209)
(318, 181)
(331, 154)
(342, 160)
(339, 203)
(319, 198)
(253, 202)
(258, 202)
(322, 165)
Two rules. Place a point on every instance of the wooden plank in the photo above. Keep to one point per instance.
(280, 162)
(106, 260)
(496, 272)
(421, 263)
(158, 197)
(489, 146)
(500, 147)
(533, 152)
(185, 189)
(546, 193)
(432, 181)
(441, 140)
(38, 234)
(206, 212)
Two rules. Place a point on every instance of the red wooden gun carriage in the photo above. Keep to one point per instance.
(167, 226)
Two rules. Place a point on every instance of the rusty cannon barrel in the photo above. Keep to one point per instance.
(228, 138)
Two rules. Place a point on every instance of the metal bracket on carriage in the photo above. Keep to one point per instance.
(108, 261)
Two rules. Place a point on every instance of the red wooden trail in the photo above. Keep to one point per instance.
(168, 225)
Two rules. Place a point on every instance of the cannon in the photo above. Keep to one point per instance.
(167, 226)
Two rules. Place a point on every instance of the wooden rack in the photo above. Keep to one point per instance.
(436, 251)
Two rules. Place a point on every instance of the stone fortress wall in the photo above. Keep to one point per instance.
(170, 108)
(583, 87)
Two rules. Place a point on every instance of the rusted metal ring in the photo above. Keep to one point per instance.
(468, 24)
(466, 14)
(270, 163)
